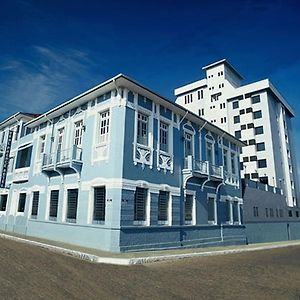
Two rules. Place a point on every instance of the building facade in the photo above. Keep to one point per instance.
(120, 168)
(255, 113)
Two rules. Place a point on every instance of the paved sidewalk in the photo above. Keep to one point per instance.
(133, 258)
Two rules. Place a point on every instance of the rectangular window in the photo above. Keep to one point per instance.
(164, 137)
(228, 213)
(104, 127)
(99, 204)
(238, 134)
(255, 99)
(249, 110)
(140, 204)
(188, 144)
(3, 202)
(250, 125)
(271, 212)
(233, 163)
(16, 132)
(235, 211)
(225, 158)
(188, 209)
(72, 202)
(42, 143)
(210, 152)
(236, 119)
(257, 114)
(163, 207)
(252, 142)
(243, 127)
(245, 159)
(259, 130)
(235, 104)
(260, 146)
(35, 204)
(254, 175)
(262, 163)
(78, 130)
(267, 212)
(200, 94)
(143, 129)
(53, 204)
(211, 210)
(23, 158)
(242, 112)
(22, 201)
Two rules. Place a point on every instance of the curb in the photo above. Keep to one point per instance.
(139, 260)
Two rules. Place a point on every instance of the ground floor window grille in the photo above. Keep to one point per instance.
(99, 204)
(53, 204)
(228, 212)
(22, 201)
(163, 207)
(3, 202)
(140, 203)
(211, 210)
(72, 202)
(236, 212)
(35, 204)
(188, 209)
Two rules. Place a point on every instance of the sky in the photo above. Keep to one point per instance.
(53, 50)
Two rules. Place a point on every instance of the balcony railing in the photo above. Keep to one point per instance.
(202, 168)
(62, 158)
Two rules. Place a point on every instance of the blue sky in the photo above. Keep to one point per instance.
(53, 50)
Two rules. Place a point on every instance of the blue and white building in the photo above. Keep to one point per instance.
(257, 114)
(120, 168)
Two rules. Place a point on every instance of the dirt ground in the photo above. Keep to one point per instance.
(28, 272)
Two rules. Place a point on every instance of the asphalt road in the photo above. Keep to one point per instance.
(28, 272)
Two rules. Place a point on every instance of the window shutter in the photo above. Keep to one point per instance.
(188, 207)
(72, 204)
(53, 203)
(163, 206)
(99, 204)
(22, 200)
(140, 204)
(35, 203)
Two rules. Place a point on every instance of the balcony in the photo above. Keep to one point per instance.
(60, 161)
(201, 169)
(21, 175)
(231, 179)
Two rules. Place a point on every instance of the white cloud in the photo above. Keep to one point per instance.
(48, 77)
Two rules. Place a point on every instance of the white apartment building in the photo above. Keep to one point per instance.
(257, 114)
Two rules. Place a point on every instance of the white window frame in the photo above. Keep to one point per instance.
(193, 194)
(103, 132)
(141, 121)
(146, 222)
(214, 196)
(78, 133)
(212, 143)
(169, 216)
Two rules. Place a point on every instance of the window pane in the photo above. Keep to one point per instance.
(99, 204)
(164, 137)
(53, 203)
(72, 205)
(163, 204)
(22, 201)
(188, 208)
(140, 199)
(35, 203)
(142, 130)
